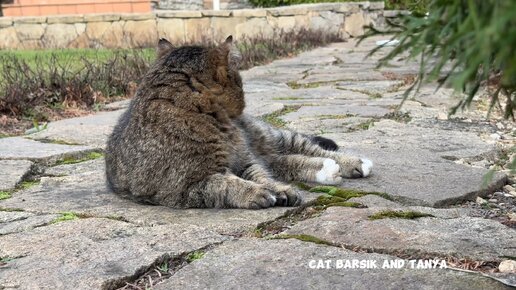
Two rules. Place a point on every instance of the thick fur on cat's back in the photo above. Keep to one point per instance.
(184, 142)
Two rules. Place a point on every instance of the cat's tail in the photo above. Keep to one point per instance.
(325, 143)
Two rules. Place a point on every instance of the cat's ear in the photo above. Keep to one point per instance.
(229, 40)
(234, 57)
(164, 47)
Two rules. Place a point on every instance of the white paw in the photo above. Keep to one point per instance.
(330, 173)
(367, 166)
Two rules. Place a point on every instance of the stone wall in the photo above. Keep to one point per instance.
(138, 30)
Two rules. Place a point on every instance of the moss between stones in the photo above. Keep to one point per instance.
(287, 99)
(326, 117)
(28, 184)
(55, 141)
(304, 238)
(10, 209)
(69, 216)
(346, 193)
(73, 160)
(273, 118)
(326, 201)
(399, 214)
(4, 195)
(21, 186)
(65, 216)
(295, 85)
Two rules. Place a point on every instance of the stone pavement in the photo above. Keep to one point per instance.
(61, 229)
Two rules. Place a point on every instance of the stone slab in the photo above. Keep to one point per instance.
(327, 124)
(397, 136)
(88, 253)
(12, 216)
(370, 86)
(314, 111)
(463, 237)
(23, 148)
(26, 223)
(419, 177)
(12, 172)
(284, 264)
(89, 130)
(84, 190)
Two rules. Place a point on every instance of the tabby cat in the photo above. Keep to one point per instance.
(185, 142)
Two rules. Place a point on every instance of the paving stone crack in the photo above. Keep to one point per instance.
(161, 269)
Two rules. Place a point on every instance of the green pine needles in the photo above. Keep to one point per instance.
(468, 44)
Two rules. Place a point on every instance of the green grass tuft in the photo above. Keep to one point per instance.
(196, 255)
(274, 117)
(74, 160)
(65, 216)
(4, 195)
(398, 214)
(28, 184)
(304, 238)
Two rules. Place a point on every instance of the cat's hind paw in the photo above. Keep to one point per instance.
(367, 167)
(329, 173)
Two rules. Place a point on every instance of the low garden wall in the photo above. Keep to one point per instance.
(139, 30)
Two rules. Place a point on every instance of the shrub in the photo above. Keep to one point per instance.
(261, 50)
(468, 44)
(44, 86)
(417, 6)
(29, 87)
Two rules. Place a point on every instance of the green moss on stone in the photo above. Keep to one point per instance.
(287, 99)
(304, 238)
(399, 214)
(341, 195)
(295, 85)
(6, 209)
(28, 184)
(65, 216)
(274, 117)
(4, 195)
(74, 160)
(56, 141)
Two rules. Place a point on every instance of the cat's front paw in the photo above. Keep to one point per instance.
(329, 173)
(353, 167)
(261, 197)
(286, 195)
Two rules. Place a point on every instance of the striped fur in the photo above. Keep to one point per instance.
(184, 141)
